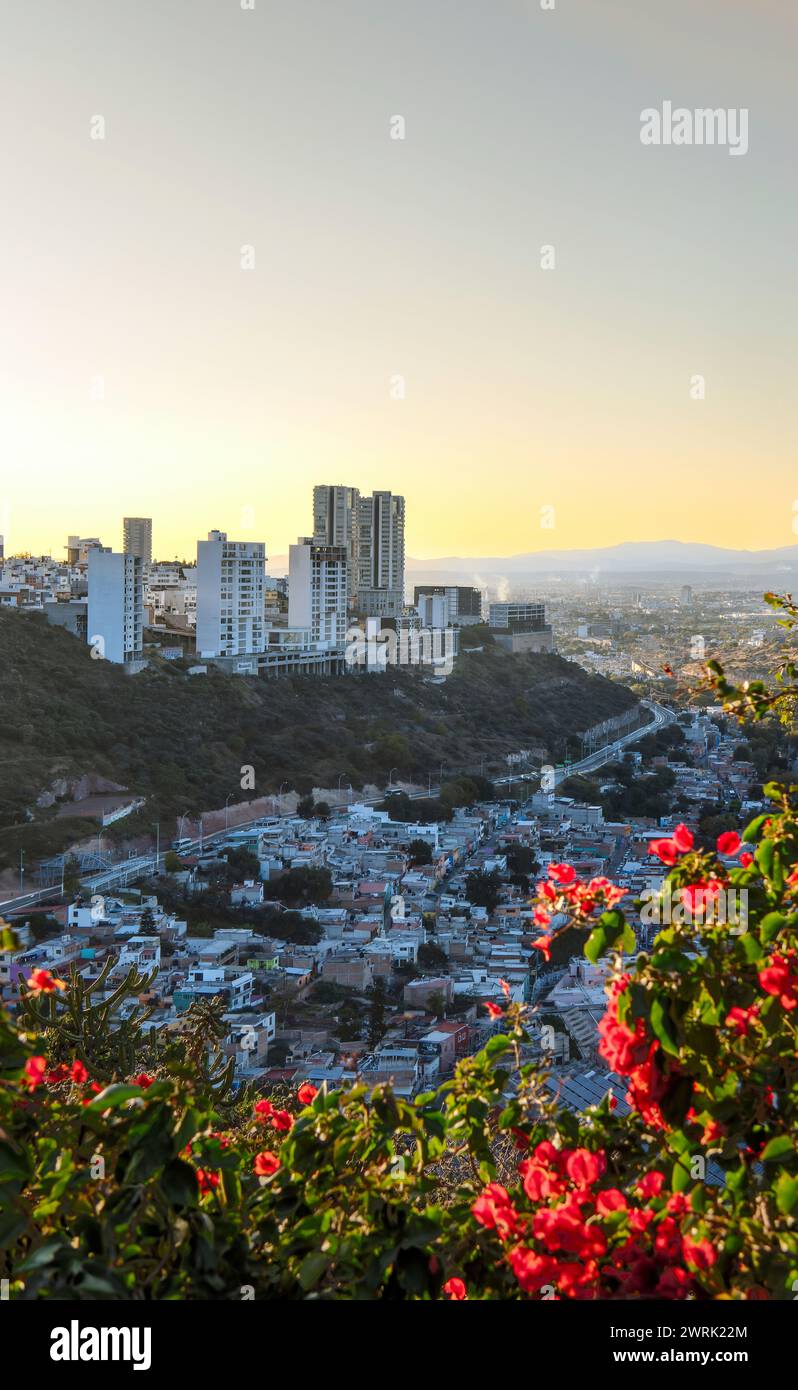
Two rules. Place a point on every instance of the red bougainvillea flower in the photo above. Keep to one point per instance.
(94, 1090)
(620, 1046)
(543, 944)
(455, 1289)
(698, 897)
(263, 1110)
(701, 1254)
(665, 850)
(306, 1093)
(729, 842)
(540, 1183)
(747, 859)
(493, 1009)
(611, 892)
(532, 1270)
(34, 1071)
(42, 982)
(668, 851)
(584, 1168)
(610, 1200)
(505, 988)
(683, 839)
(651, 1185)
(541, 917)
(142, 1080)
(207, 1179)
(560, 1229)
(778, 979)
(59, 1073)
(562, 873)
(494, 1210)
(282, 1121)
(742, 1019)
(78, 1073)
(266, 1164)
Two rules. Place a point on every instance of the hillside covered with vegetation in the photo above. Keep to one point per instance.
(181, 741)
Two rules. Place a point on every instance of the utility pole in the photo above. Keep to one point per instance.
(21, 870)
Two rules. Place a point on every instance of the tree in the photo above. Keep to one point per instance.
(303, 885)
(483, 889)
(521, 860)
(172, 862)
(305, 807)
(419, 852)
(323, 810)
(431, 956)
(376, 1023)
(436, 1004)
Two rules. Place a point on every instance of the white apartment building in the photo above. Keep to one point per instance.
(137, 537)
(230, 596)
(116, 605)
(381, 555)
(318, 589)
(336, 521)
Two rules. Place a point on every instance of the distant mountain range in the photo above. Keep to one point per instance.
(683, 559)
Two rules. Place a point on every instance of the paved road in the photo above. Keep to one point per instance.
(130, 869)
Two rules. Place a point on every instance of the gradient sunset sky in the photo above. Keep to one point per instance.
(228, 393)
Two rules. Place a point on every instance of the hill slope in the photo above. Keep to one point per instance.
(182, 741)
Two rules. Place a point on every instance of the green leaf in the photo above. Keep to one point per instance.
(312, 1268)
(179, 1184)
(113, 1096)
(780, 1147)
(771, 925)
(662, 1025)
(786, 1192)
(14, 1163)
(751, 831)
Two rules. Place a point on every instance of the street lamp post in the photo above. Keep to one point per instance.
(226, 805)
(390, 777)
(280, 795)
(21, 870)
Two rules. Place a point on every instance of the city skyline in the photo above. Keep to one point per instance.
(245, 294)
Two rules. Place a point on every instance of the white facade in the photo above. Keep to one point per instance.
(116, 605)
(318, 589)
(230, 596)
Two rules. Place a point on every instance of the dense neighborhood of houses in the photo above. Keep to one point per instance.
(422, 925)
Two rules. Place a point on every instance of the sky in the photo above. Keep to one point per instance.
(388, 323)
